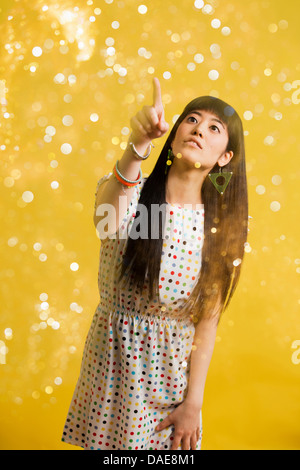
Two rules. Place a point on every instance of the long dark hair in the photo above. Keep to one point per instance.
(225, 223)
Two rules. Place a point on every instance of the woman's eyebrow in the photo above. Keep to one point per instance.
(213, 119)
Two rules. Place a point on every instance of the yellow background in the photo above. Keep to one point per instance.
(91, 73)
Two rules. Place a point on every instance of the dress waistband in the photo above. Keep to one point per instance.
(164, 317)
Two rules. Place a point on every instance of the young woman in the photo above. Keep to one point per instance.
(148, 350)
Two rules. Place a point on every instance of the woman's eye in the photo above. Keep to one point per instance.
(193, 119)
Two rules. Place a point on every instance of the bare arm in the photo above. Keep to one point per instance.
(147, 124)
(202, 350)
(186, 417)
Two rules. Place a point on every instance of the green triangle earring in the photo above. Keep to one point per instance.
(221, 179)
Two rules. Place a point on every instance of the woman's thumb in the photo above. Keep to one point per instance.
(163, 424)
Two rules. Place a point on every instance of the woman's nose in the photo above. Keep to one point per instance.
(197, 131)
(198, 128)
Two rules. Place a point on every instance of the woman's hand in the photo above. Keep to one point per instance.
(186, 420)
(149, 123)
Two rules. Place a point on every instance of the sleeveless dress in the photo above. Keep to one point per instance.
(136, 359)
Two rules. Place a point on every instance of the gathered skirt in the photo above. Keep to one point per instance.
(134, 373)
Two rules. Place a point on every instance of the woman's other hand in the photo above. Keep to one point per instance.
(186, 420)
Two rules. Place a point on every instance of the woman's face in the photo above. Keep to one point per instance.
(202, 138)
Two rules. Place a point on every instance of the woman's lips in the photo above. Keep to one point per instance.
(191, 142)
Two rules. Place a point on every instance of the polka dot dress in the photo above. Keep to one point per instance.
(135, 365)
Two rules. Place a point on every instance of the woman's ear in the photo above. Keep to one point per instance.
(226, 157)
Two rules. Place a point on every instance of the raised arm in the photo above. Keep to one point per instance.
(148, 124)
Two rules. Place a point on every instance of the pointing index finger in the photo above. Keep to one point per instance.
(157, 101)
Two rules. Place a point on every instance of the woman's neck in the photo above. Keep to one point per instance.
(184, 187)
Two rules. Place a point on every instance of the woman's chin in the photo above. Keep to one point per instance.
(188, 160)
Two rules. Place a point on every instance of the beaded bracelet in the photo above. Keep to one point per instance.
(126, 181)
(123, 180)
